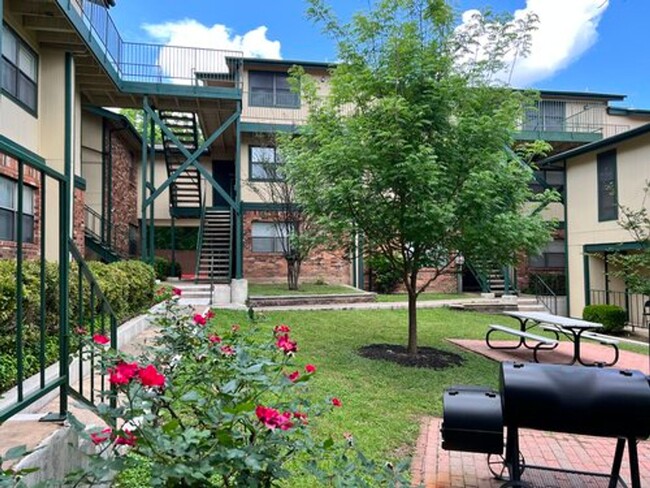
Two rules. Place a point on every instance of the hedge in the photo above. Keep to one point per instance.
(163, 268)
(612, 317)
(128, 287)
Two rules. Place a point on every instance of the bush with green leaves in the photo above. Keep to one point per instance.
(163, 268)
(612, 317)
(213, 404)
(140, 284)
(385, 278)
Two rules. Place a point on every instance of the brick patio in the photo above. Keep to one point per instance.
(433, 467)
(590, 352)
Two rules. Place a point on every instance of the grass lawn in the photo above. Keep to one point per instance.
(256, 289)
(382, 402)
(403, 297)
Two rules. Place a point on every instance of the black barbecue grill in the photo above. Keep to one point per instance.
(574, 400)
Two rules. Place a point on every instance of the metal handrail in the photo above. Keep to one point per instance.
(544, 298)
(92, 218)
(480, 278)
(199, 241)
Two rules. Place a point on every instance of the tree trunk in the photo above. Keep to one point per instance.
(412, 347)
(293, 273)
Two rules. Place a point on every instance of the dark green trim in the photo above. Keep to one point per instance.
(255, 128)
(261, 207)
(31, 398)
(239, 215)
(610, 141)
(1, 34)
(603, 158)
(286, 62)
(613, 247)
(19, 152)
(583, 95)
(586, 277)
(556, 136)
(627, 111)
(107, 114)
(186, 91)
(79, 183)
(566, 247)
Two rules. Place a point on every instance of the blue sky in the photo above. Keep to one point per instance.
(582, 45)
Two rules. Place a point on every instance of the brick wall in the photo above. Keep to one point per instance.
(124, 189)
(523, 267)
(329, 266)
(445, 283)
(9, 168)
(79, 220)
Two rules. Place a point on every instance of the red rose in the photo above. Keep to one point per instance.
(100, 339)
(128, 439)
(101, 437)
(150, 376)
(286, 344)
(214, 339)
(281, 329)
(336, 402)
(209, 314)
(123, 373)
(227, 350)
(300, 416)
(310, 369)
(293, 377)
(273, 419)
(177, 292)
(199, 319)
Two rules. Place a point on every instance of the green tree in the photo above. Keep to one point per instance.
(409, 147)
(302, 232)
(634, 268)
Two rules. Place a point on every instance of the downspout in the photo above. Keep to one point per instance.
(1, 32)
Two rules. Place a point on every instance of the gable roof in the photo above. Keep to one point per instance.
(587, 148)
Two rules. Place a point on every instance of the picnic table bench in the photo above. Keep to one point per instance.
(543, 343)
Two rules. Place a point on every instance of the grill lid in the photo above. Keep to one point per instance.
(578, 400)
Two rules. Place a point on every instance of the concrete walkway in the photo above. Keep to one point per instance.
(433, 467)
(385, 305)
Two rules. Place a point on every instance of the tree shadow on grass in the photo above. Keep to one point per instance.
(427, 357)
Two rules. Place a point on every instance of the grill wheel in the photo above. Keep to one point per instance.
(499, 469)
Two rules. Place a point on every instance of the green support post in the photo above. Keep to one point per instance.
(19, 284)
(152, 181)
(1, 33)
(143, 223)
(587, 277)
(239, 211)
(173, 246)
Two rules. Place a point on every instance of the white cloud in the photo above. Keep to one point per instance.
(180, 65)
(566, 29)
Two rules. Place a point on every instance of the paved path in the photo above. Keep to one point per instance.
(383, 305)
(589, 351)
(433, 467)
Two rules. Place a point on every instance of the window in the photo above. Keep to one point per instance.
(553, 178)
(19, 70)
(269, 237)
(269, 89)
(607, 192)
(9, 211)
(553, 256)
(547, 116)
(265, 164)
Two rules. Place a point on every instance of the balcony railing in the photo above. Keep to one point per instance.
(157, 63)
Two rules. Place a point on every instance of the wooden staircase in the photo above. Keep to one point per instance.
(185, 191)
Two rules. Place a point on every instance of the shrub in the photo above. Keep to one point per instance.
(218, 405)
(384, 277)
(140, 283)
(612, 317)
(163, 268)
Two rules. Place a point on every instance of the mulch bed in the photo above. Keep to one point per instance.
(427, 357)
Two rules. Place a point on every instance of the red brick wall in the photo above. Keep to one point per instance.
(124, 188)
(9, 168)
(523, 267)
(329, 266)
(445, 283)
(79, 220)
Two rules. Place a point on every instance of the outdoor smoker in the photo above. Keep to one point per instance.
(575, 400)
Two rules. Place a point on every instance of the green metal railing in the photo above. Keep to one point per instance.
(153, 63)
(117, 239)
(199, 241)
(56, 301)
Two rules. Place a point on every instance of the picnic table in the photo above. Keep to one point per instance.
(574, 329)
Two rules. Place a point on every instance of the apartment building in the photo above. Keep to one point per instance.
(182, 183)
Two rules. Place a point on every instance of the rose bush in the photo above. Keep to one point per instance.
(212, 404)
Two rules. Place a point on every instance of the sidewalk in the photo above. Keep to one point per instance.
(385, 305)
